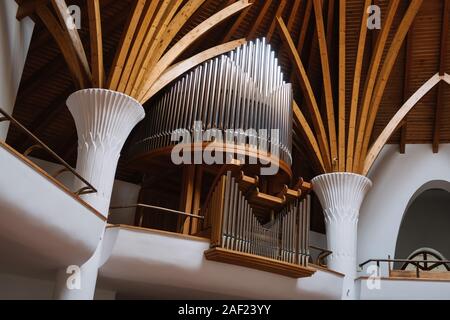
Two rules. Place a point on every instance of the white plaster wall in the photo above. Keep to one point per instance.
(397, 179)
(406, 290)
(15, 38)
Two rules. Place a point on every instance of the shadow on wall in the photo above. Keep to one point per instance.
(426, 221)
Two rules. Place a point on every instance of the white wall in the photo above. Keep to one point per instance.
(406, 290)
(15, 38)
(397, 180)
(426, 224)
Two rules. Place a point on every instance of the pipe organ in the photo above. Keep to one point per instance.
(242, 92)
(235, 227)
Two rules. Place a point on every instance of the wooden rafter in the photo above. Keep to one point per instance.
(95, 29)
(273, 25)
(326, 80)
(125, 44)
(386, 70)
(74, 40)
(184, 43)
(262, 13)
(356, 87)
(150, 54)
(406, 85)
(294, 11)
(371, 79)
(236, 25)
(308, 135)
(304, 28)
(342, 70)
(308, 93)
(396, 120)
(440, 89)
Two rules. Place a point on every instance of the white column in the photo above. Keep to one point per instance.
(341, 196)
(104, 120)
(15, 38)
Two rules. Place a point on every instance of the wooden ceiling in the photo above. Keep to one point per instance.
(47, 80)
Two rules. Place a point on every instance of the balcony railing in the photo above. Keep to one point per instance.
(38, 144)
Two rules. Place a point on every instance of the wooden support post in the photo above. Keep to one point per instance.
(186, 200)
(196, 201)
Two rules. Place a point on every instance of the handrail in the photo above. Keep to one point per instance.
(140, 205)
(41, 145)
(416, 263)
(324, 253)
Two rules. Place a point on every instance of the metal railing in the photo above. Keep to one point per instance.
(41, 145)
(160, 210)
(323, 254)
(416, 263)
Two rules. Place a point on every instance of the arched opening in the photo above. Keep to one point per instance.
(423, 234)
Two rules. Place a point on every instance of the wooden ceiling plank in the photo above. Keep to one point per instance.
(442, 60)
(175, 71)
(64, 16)
(386, 70)
(342, 79)
(153, 21)
(273, 25)
(125, 44)
(308, 135)
(67, 50)
(356, 87)
(95, 31)
(396, 120)
(371, 79)
(185, 42)
(325, 62)
(259, 19)
(308, 94)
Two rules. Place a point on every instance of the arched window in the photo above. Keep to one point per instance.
(424, 255)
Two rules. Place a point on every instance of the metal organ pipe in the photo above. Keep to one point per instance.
(240, 90)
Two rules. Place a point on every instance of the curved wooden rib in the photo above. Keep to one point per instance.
(95, 30)
(308, 134)
(326, 79)
(184, 43)
(342, 70)
(385, 73)
(180, 68)
(396, 120)
(157, 48)
(356, 86)
(308, 93)
(370, 81)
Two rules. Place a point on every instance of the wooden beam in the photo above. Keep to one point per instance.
(187, 197)
(440, 89)
(146, 63)
(396, 120)
(185, 42)
(125, 44)
(386, 70)
(342, 79)
(64, 16)
(58, 34)
(175, 71)
(371, 78)
(231, 32)
(157, 15)
(356, 87)
(308, 136)
(273, 25)
(326, 80)
(26, 8)
(259, 19)
(406, 81)
(304, 28)
(294, 11)
(95, 31)
(308, 93)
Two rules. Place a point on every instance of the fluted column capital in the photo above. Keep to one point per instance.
(104, 120)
